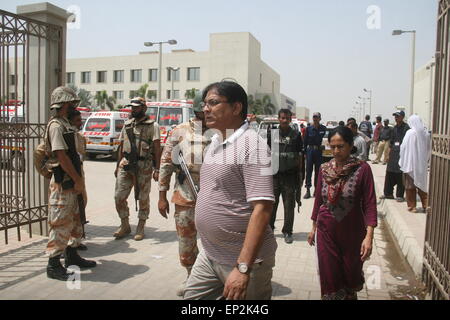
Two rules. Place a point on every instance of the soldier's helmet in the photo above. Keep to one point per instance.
(198, 106)
(137, 102)
(63, 95)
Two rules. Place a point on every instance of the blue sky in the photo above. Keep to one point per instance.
(322, 49)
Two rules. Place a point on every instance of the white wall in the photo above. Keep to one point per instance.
(422, 85)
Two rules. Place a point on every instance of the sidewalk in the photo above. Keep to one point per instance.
(407, 228)
(150, 269)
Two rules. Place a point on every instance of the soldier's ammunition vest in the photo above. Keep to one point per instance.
(287, 152)
(143, 131)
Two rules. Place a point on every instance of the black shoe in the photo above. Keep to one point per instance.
(386, 197)
(288, 238)
(81, 247)
(307, 195)
(73, 259)
(56, 271)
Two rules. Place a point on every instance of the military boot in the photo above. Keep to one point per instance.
(182, 287)
(56, 271)
(73, 259)
(308, 194)
(140, 231)
(123, 230)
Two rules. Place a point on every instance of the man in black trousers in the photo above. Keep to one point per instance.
(394, 176)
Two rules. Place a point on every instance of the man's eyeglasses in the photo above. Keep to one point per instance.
(211, 103)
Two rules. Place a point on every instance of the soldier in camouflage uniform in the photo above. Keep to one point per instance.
(147, 142)
(63, 216)
(187, 138)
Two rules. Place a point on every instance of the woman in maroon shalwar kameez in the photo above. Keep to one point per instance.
(344, 218)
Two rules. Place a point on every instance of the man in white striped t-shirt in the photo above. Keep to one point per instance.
(234, 205)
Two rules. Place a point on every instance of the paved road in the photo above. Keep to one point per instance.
(150, 269)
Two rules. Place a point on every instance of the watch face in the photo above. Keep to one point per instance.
(243, 268)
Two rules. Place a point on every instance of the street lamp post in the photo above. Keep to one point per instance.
(359, 109)
(149, 44)
(370, 105)
(172, 75)
(364, 107)
(413, 63)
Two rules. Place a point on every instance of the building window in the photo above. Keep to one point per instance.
(85, 77)
(260, 79)
(101, 76)
(152, 75)
(136, 75)
(193, 74)
(176, 94)
(118, 95)
(118, 76)
(176, 75)
(12, 80)
(13, 96)
(70, 77)
(273, 86)
(152, 94)
(133, 94)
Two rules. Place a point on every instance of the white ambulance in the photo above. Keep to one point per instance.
(85, 114)
(102, 130)
(168, 114)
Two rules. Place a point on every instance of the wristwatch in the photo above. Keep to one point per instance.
(243, 268)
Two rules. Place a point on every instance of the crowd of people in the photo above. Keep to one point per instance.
(227, 190)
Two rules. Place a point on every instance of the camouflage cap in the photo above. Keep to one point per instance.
(63, 95)
(137, 102)
(198, 103)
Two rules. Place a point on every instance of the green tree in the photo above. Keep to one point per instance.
(84, 95)
(103, 100)
(267, 105)
(190, 94)
(255, 106)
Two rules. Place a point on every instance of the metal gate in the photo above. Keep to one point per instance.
(26, 46)
(437, 239)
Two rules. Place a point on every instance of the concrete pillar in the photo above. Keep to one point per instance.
(52, 64)
(47, 69)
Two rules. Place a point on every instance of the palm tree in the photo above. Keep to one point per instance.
(101, 98)
(110, 102)
(84, 96)
(255, 106)
(267, 105)
(190, 94)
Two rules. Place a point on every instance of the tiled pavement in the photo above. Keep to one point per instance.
(150, 269)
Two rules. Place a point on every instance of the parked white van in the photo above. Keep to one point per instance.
(102, 130)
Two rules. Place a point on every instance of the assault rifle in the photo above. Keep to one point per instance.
(132, 166)
(185, 171)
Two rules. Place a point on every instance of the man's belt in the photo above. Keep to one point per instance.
(314, 147)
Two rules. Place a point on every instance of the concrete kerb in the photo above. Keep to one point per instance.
(400, 231)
